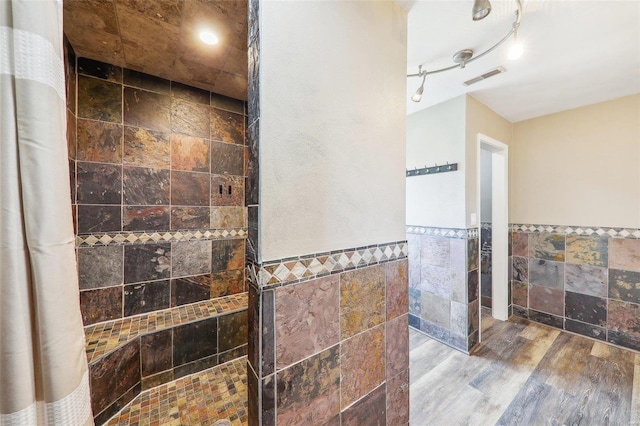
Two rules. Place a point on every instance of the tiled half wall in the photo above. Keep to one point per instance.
(580, 279)
(443, 284)
(485, 264)
(334, 342)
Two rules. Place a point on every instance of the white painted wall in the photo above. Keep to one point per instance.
(485, 185)
(437, 135)
(579, 167)
(332, 125)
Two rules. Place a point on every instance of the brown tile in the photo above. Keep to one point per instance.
(227, 158)
(227, 255)
(190, 258)
(156, 352)
(398, 399)
(588, 250)
(520, 293)
(362, 361)
(227, 190)
(232, 331)
(233, 85)
(189, 153)
(307, 319)
(100, 266)
(227, 126)
(167, 11)
(227, 283)
(397, 288)
(146, 148)
(99, 183)
(225, 217)
(624, 285)
(547, 246)
(189, 93)
(624, 253)
(362, 299)
(195, 366)
(397, 343)
(145, 186)
(99, 99)
(520, 244)
(194, 341)
(145, 218)
(99, 141)
(546, 299)
(113, 375)
(150, 382)
(71, 135)
(624, 317)
(227, 104)
(99, 219)
(190, 289)
(189, 189)
(370, 410)
(147, 262)
(146, 109)
(309, 392)
(100, 70)
(189, 118)
(146, 297)
(146, 81)
(101, 305)
(190, 217)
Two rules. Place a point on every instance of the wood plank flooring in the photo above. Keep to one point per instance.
(523, 374)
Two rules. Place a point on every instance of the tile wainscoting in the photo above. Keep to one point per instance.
(585, 280)
(443, 284)
(485, 264)
(334, 338)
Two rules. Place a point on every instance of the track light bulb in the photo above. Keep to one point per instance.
(515, 51)
(417, 97)
(481, 9)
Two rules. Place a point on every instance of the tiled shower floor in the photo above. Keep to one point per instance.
(198, 399)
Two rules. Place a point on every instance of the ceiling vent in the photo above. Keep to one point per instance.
(485, 76)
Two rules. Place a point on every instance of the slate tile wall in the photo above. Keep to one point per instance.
(485, 264)
(444, 286)
(586, 284)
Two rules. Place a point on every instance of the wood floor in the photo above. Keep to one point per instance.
(523, 374)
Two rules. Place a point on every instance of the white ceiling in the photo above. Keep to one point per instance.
(576, 53)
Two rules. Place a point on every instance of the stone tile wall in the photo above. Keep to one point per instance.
(443, 284)
(485, 264)
(586, 281)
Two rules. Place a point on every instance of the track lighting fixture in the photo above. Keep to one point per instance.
(481, 9)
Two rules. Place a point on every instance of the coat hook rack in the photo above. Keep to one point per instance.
(432, 170)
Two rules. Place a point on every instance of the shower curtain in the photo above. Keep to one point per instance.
(43, 369)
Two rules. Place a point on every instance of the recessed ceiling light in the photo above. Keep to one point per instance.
(208, 37)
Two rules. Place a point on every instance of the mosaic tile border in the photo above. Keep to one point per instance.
(631, 233)
(443, 232)
(276, 273)
(122, 238)
(486, 225)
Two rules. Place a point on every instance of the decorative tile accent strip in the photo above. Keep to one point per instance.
(121, 238)
(280, 272)
(104, 337)
(443, 232)
(200, 398)
(577, 230)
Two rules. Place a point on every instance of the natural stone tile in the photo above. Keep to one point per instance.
(547, 246)
(226, 217)
(435, 331)
(268, 334)
(472, 254)
(435, 251)
(227, 255)
(307, 319)
(99, 99)
(362, 361)
(146, 81)
(99, 70)
(146, 109)
(99, 219)
(189, 189)
(370, 410)
(227, 283)
(588, 250)
(144, 186)
(624, 253)
(458, 322)
(147, 262)
(146, 148)
(100, 266)
(232, 331)
(626, 340)
(473, 285)
(624, 317)
(436, 280)
(435, 309)
(189, 118)
(227, 126)
(520, 293)
(146, 297)
(145, 218)
(546, 299)
(398, 399)
(227, 158)
(362, 299)
(414, 302)
(99, 141)
(156, 352)
(397, 288)
(544, 318)
(99, 183)
(190, 258)
(520, 244)
(227, 190)
(227, 104)
(195, 366)
(624, 285)
(474, 317)
(519, 269)
(190, 217)
(189, 93)
(546, 273)
(458, 270)
(195, 341)
(309, 392)
(397, 345)
(588, 330)
(586, 279)
(189, 153)
(586, 308)
(102, 304)
(190, 289)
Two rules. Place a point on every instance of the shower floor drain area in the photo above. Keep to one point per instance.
(214, 397)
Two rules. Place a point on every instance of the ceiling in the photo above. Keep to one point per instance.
(160, 37)
(576, 53)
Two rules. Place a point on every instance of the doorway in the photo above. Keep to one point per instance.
(493, 191)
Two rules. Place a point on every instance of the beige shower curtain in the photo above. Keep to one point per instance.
(43, 369)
